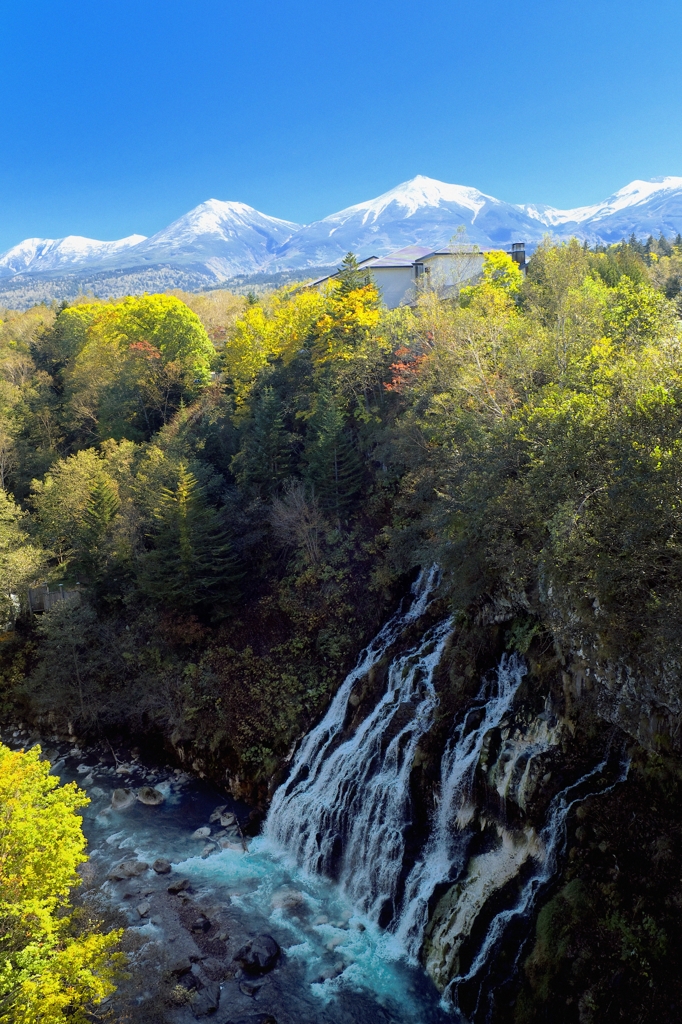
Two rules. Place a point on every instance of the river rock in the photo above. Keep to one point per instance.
(215, 814)
(258, 955)
(143, 908)
(201, 924)
(177, 968)
(228, 819)
(128, 869)
(251, 988)
(206, 1000)
(232, 844)
(178, 886)
(162, 866)
(122, 798)
(201, 833)
(287, 899)
(149, 796)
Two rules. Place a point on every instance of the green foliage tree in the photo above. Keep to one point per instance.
(75, 505)
(140, 358)
(332, 464)
(638, 314)
(351, 277)
(48, 973)
(265, 455)
(192, 563)
(170, 326)
(21, 561)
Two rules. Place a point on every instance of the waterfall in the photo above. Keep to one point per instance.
(344, 809)
(553, 840)
(444, 855)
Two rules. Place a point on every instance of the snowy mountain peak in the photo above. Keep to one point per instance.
(221, 218)
(417, 194)
(227, 237)
(637, 193)
(58, 254)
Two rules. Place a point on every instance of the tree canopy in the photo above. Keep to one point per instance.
(48, 973)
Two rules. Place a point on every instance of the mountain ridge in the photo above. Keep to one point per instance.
(220, 240)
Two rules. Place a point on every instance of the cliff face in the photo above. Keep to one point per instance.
(556, 911)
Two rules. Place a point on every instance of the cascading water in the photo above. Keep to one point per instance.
(344, 809)
(444, 855)
(344, 812)
(553, 842)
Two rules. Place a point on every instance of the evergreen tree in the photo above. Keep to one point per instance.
(351, 277)
(637, 246)
(192, 562)
(98, 517)
(333, 465)
(264, 458)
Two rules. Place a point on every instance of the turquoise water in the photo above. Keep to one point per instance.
(336, 967)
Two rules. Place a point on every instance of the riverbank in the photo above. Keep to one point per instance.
(225, 893)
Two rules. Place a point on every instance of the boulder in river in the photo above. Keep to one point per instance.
(201, 833)
(287, 899)
(180, 885)
(258, 955)
(128, 869)
(143, 908)
(205, 1001)
(122, 798)
(149, 796)
(201, 924)
(162, 866)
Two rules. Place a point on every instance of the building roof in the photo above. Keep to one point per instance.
(464, 249)
(402, 257)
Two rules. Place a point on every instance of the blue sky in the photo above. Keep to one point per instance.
(119, 116)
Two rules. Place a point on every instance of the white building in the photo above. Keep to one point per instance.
(400, 275)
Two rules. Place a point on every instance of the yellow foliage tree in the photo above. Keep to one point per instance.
(48, 974)
(348, 324)
(263, 334)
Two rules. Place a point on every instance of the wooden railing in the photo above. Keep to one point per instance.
(41, 599)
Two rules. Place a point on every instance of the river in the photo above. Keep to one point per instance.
(332, 970)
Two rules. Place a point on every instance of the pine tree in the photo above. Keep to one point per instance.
(192, 562)
(333, 465)
(101, 510)
(264, 459)
(351, 277)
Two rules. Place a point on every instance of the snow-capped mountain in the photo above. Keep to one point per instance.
(643, 207)
(217, 240)
(224, 238)
(422, 211)
(60, 255)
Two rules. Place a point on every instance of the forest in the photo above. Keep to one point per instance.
(234, 491)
